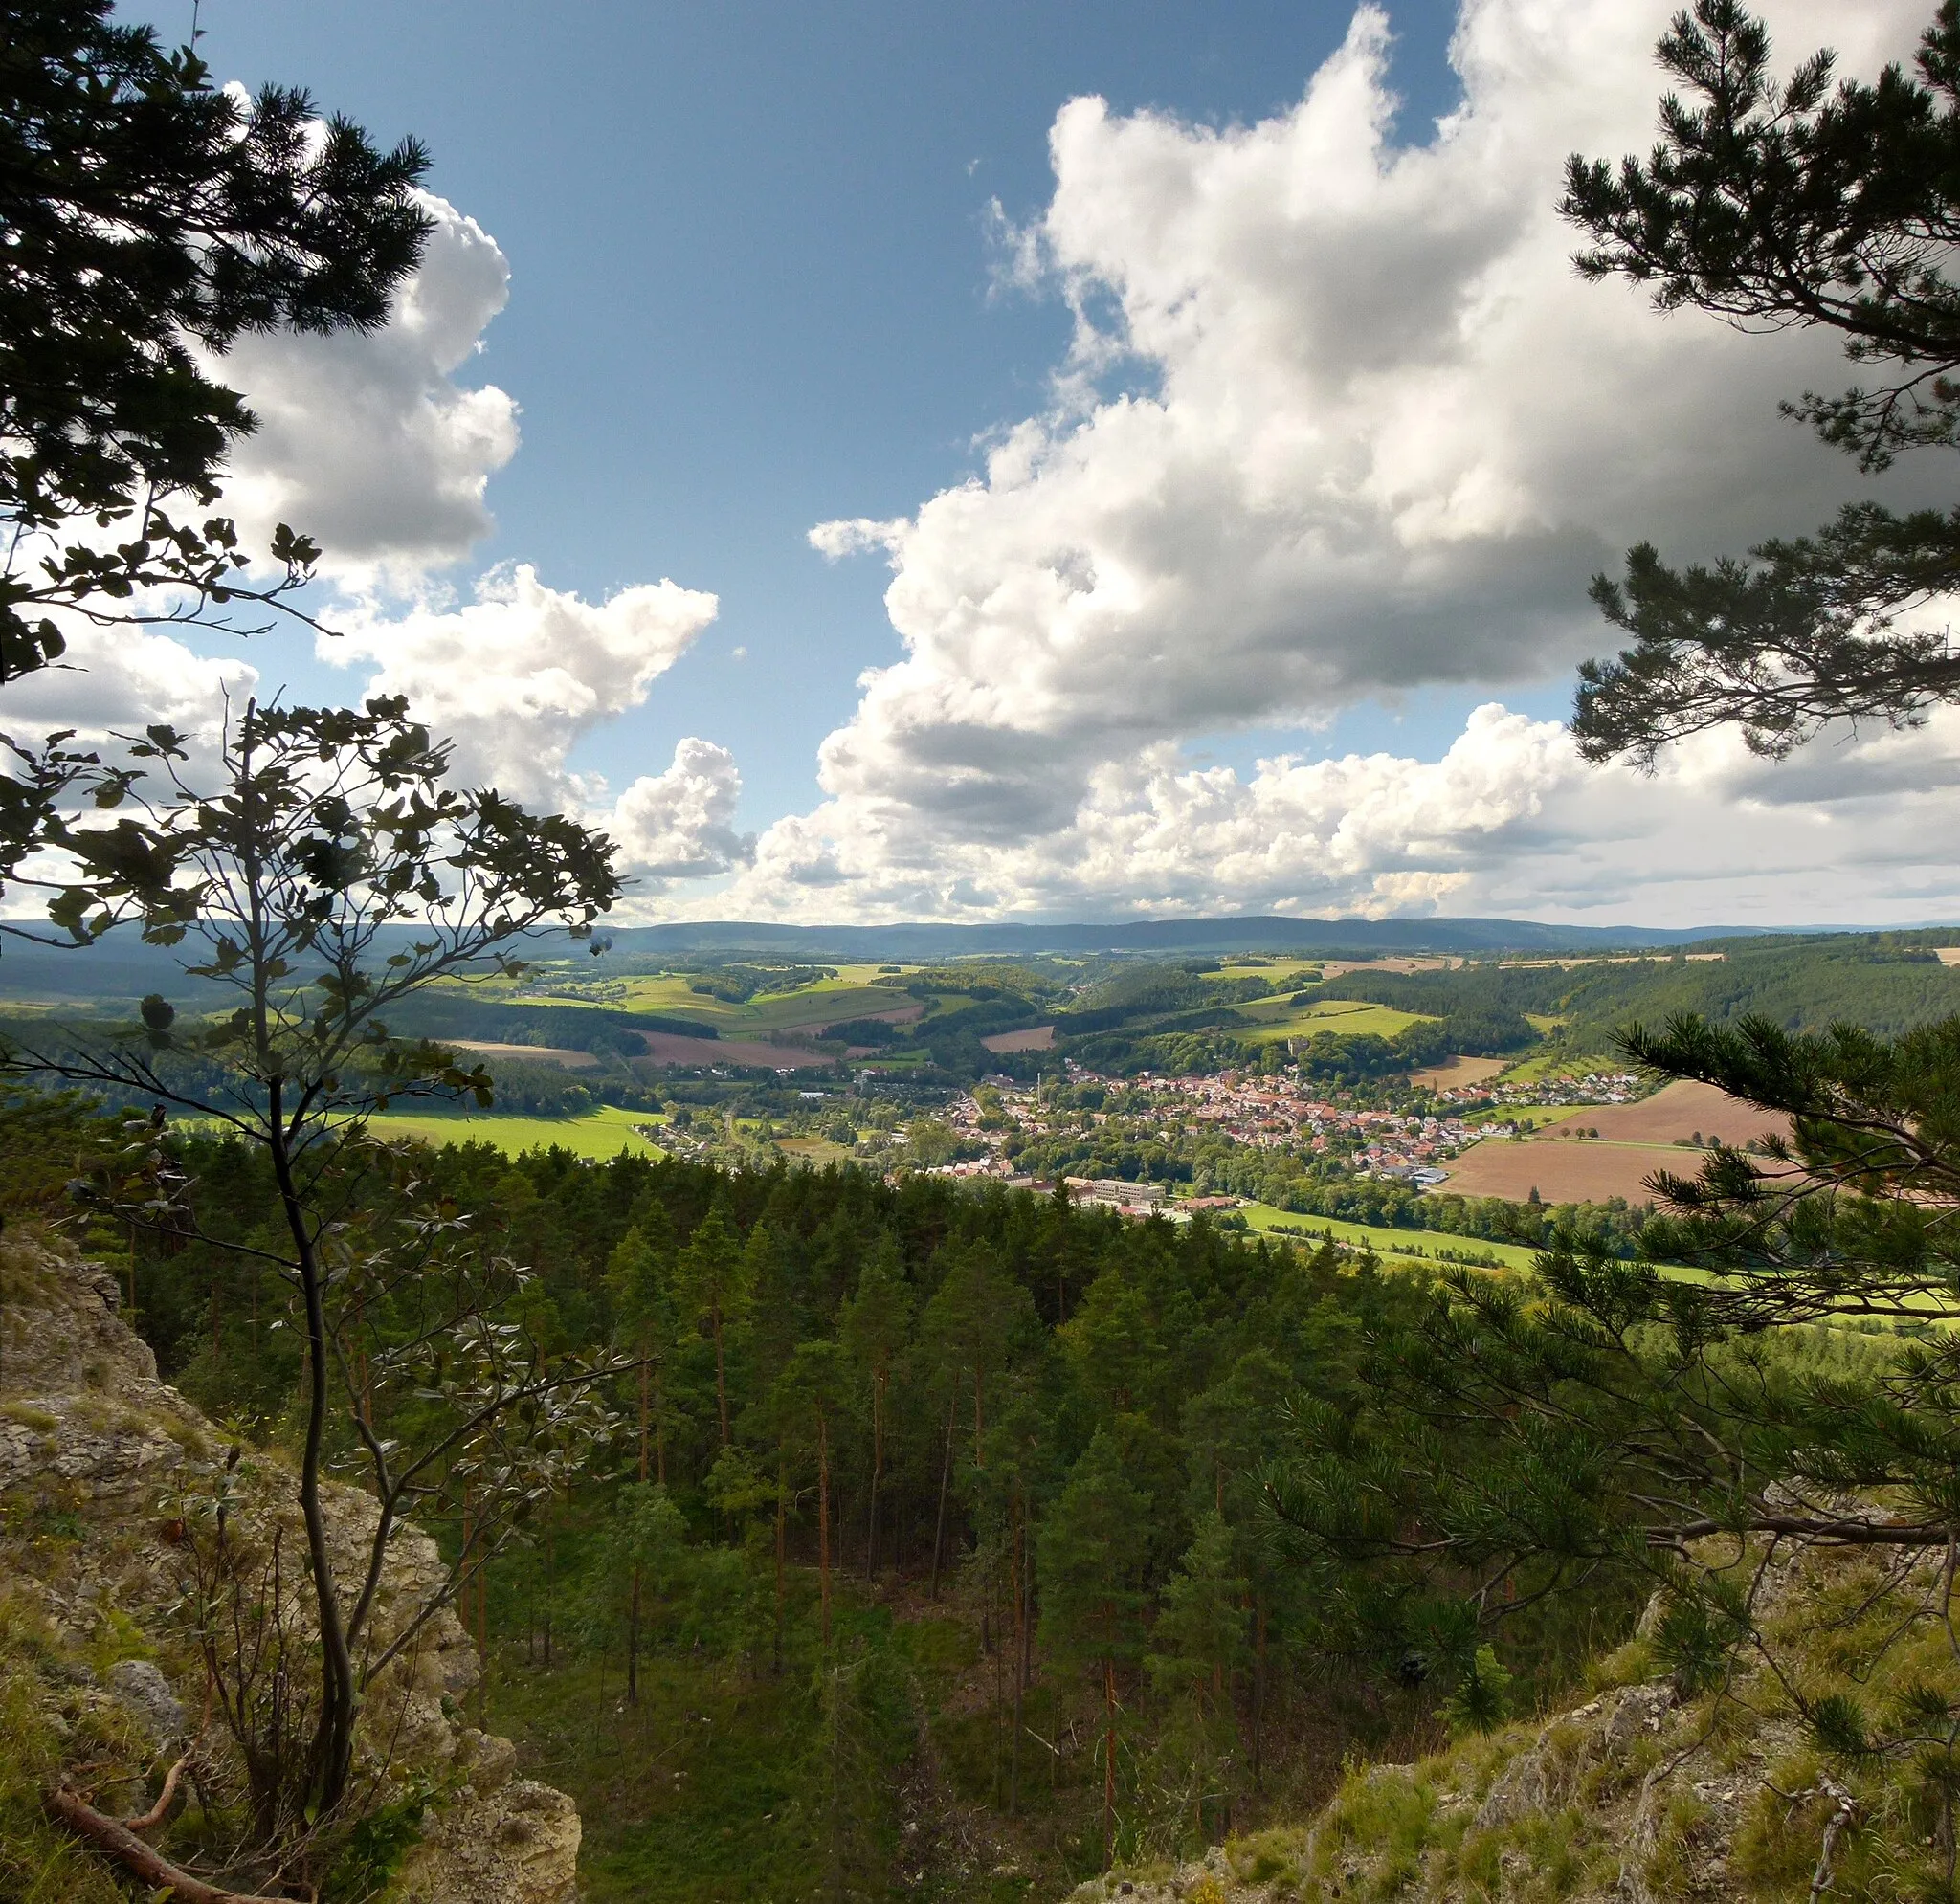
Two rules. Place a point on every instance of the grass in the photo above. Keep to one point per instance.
(1406, 1244)
(1277, 1019)
(599, 1134)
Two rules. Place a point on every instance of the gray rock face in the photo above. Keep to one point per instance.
(84, 1418)
(141, 1688)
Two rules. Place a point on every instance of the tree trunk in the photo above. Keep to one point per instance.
(1259, 1692)
(721, 1373)
(646, 1413)
(877, 1474)
(946, 1480)
(551, 1578)
(659, 1433)
(781, 1511)
(1109, 1763)
(1020, 1588)
(823, 1524)
(333, 1737)
(632, 1643)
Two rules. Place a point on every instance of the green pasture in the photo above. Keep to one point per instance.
(599, 1134)
(1276, 1019)
(1404, 1244)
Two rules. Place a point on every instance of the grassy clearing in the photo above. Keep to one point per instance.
(1276, 1019)
(1407, 1245)
(815, 1151)
(599, 1133)
(1281, 974)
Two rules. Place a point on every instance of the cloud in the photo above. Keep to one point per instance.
(678, 824)
(1338, 421)
(1508, 820)
(369, 443)
(117, 681)
(520, 675)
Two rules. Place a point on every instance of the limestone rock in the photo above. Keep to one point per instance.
(146, 1692)
(515, 1845)
(88, 1430)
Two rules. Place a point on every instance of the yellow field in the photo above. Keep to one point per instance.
(667, 993)
(1282, 974)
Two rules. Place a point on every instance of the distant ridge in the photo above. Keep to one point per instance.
(122, 967)
(1256, 934)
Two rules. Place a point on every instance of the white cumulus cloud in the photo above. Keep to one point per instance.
(368, 443)
(1339, 421)
(521, 673)
(680, 824)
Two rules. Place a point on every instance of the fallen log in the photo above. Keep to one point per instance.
(129, 1851)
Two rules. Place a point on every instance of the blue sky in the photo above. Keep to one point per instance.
(1178, 503)
(752, 281)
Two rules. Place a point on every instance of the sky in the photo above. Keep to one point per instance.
(1066, 461)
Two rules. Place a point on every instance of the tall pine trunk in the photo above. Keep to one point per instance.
(823, 1522)
(946, 1480)
(1109, 1763)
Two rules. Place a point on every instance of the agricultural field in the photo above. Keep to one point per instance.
(1281, 974)
(600, 1134)
(1458, 1073)
(1635, 1140)
(1277, 1018)
(1403, 1245)
(1674, 1114)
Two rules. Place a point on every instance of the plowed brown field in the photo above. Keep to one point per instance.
(1678, 1110)
(1636, 1140)
(1036, 1038)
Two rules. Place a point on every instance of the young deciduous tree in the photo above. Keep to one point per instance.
(320, 869)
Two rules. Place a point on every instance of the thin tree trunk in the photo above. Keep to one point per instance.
(550, 1576)
(646, 1413)
(333, 1738)
(1258, 1692)
(979, 1424)
(877, 1474)
(659, 1433)
(823, 1524)
(721, 1375)
(632, 1643)
(946, 1480)
(1109, 1765)
(781, 1511)
(1020, 1587)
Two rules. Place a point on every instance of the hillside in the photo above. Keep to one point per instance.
(1652, 1789)
(101, 1683)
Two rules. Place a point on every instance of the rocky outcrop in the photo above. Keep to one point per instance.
(1645, 1794)
(94, 1453)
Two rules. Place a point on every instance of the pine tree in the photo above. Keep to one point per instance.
(1092, 1552)
(711, 1280)
(875, 1328)
(1774, 207)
